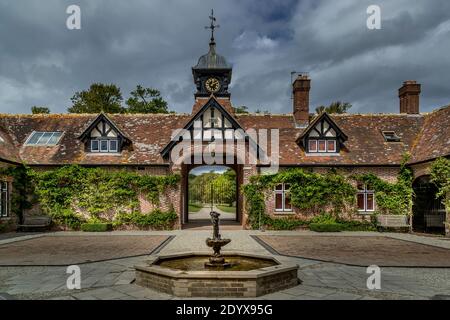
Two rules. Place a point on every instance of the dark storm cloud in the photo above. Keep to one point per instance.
(155, 43)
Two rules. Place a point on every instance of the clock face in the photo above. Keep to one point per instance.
(212, 85)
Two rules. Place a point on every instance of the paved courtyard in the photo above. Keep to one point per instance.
(57, 250)
(113, 278)
(360, 250)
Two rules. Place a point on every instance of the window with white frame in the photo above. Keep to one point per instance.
(104, 139)
(282, 198)
(104, 145)
(365, 198)
(322, 139)
(4, 199)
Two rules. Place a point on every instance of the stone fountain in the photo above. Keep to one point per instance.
(216, 261)
(200, 274)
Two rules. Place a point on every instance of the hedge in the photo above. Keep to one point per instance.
(96, 227)
(325, 227)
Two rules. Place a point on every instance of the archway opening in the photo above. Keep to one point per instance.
(212, 188)
(428, 210)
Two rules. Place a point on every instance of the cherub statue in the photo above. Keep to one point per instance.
(215, 222)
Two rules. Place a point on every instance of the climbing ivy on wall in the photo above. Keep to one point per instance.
(440, 175)
(98, 192)
(392, 198)
(21, 189)
(308, 191)
(331, 192)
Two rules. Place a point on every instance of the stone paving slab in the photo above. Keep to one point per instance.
(113, 279)
(67, 250)
(362, 251)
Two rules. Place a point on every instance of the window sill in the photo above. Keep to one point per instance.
(278, 213)
(322, 154)
(103, 153)
(365, 213)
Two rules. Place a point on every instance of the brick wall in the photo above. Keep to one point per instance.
(421, 169)
(388, 174)
(169, 199)
(11, 220)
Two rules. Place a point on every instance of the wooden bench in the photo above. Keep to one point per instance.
(36, 222)
(393, 221)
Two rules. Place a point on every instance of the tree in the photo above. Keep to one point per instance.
(40, 110)
(99, 98)
(146, 100)
(241, 109)
(335, 107)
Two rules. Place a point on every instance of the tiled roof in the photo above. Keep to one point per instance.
(150, 133)
(426, 135)
(434, 138)
(8, 151)
(365, 144)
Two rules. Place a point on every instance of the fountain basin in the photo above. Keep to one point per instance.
(181, 275)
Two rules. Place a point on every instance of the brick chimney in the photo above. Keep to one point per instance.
(300, 93)
(409, 97)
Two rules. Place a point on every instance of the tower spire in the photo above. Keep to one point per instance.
(212, 26)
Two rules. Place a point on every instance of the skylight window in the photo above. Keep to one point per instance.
(43, 138)
(390, 136)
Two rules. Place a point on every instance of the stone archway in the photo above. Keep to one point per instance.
(237, 217)
(428, 211)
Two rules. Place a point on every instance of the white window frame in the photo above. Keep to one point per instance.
(334, 143)
(317, 146)
(283, 193)
(4, 189)
(98, 145)
(365, 192)
(108, 146)
(327, 150)
(110, 149)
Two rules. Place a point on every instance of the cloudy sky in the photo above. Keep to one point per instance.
(156, 42)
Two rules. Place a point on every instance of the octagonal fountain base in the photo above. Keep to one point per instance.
(184, 275)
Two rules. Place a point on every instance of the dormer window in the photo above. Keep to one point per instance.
(322, 139)
(390, 136)
(323, 136)
(103, 136)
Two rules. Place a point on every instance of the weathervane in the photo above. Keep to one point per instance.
(212, 26)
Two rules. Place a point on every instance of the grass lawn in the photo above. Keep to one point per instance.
(193, 207)
(226, 208)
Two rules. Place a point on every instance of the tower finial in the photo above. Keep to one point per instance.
(212, 26)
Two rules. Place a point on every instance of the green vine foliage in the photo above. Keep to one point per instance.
(97, 190)
(391, 198)
(440, 176)
(308, 190)
(21, 190)
(327, 194)
(100, 193)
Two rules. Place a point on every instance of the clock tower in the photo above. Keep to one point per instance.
(212, 74)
